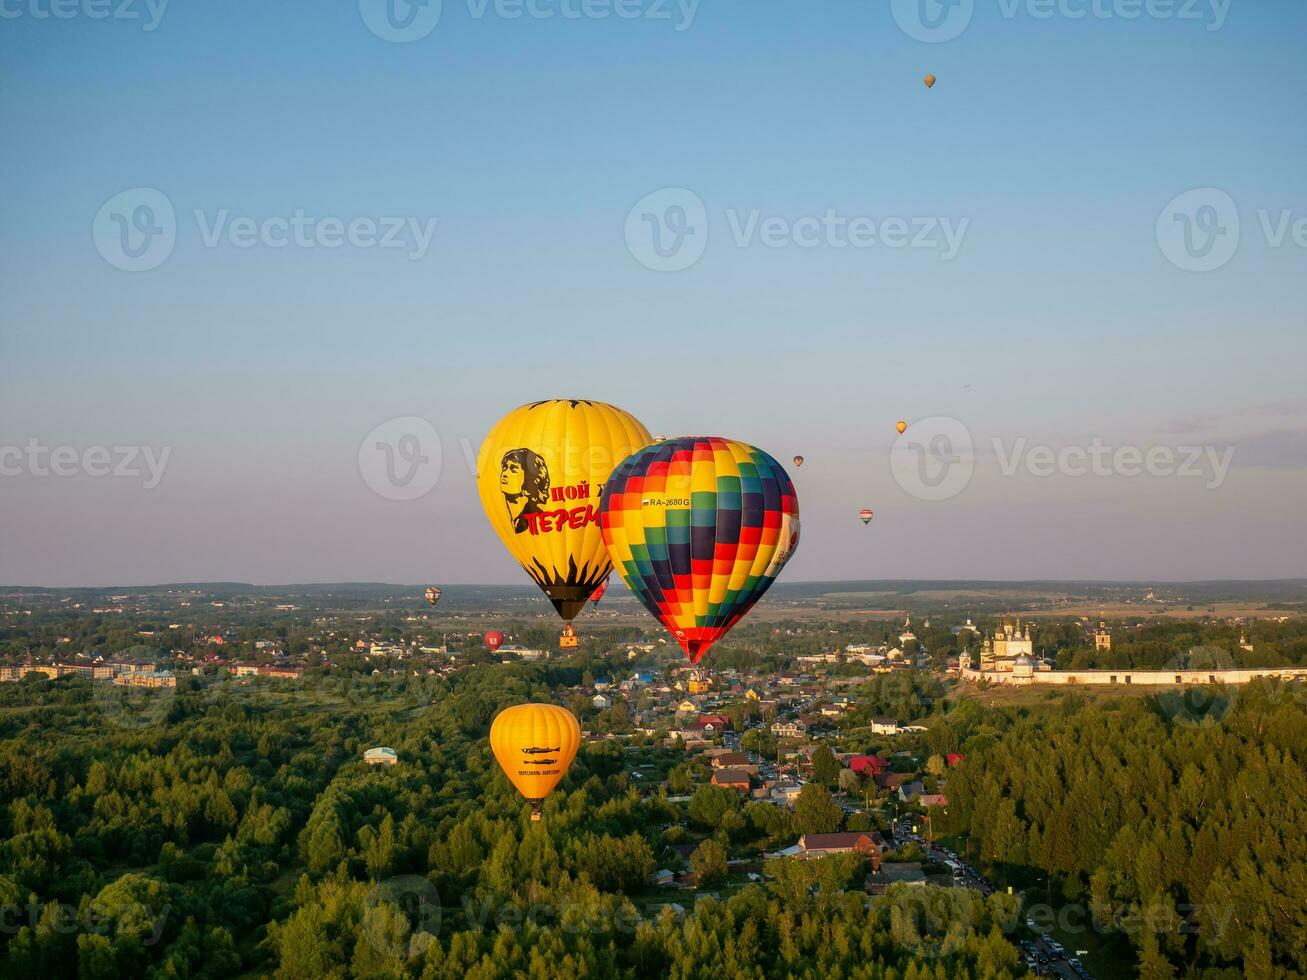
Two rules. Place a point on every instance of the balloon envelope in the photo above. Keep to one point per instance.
(534, 745)
(699, 528)
(598, 593)
(539, 473)
(494, 639)
(433, 594)
(798, 460)
(865, 515)
(902, 426)
(930, 81)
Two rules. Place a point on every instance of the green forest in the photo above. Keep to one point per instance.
(229, 830)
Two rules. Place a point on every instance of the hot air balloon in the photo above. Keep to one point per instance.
(798, 460)
(494, 640)
(432, 594)
(901, 426)
(540, 472)
(598, 593)
(865, 515)
(699, 528)
(930, 81)
(534, 745)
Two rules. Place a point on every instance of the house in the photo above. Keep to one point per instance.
(910, 791)
(868, 765)
(736, 779)
(734, 760)
(786, 793)
(382, 755)
(789, 729)
(687, 707)
(718, 723)
(933, 799)
(845, 842)
(893, 873)
(285, 673)
(664, 878)
(891, 780)
(884, 726)
(753, 694)
(601, 702)
(955, 758)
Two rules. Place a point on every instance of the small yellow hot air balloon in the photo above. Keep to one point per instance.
(901, 426)
(930, 81)
(540, 472)
(534, 745)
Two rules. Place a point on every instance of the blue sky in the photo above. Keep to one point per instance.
(1055, 142)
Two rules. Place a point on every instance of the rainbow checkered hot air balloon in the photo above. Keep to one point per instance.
(699, 528)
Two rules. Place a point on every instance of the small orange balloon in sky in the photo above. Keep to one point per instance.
(901, 426)
(930, 81)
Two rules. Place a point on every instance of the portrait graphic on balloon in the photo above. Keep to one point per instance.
(524, 482)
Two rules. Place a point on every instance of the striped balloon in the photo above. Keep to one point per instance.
(699, 528)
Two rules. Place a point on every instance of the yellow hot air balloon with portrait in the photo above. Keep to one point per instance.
(534, 745)
(540, 474)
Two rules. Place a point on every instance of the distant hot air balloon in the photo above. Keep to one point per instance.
(865, 515)
(494, 640)
(534, 745)
(699, 528)
(539, 473)
(432, 594)
(598, 593)
(798, 460)
(901, 426)
(930, 81)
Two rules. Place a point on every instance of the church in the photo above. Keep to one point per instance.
(1009, 644)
